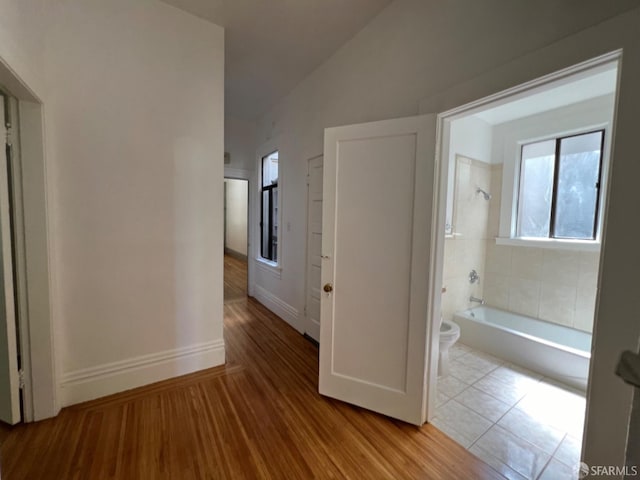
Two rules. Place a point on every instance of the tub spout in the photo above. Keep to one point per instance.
(477, 300)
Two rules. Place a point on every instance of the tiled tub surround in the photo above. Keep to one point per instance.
(555, 285)
(465, 249)
(558, 286)
(523, 425)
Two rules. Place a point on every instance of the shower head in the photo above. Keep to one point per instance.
(487, 196)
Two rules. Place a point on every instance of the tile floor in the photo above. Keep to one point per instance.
(522, 424)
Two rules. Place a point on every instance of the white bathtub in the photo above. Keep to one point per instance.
(553, 350)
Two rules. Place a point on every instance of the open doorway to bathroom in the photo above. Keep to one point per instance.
(236, 201)
(526, 192)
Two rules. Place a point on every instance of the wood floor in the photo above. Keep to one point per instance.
(259, 416)
(235, 279)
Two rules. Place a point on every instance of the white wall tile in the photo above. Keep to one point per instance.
(566, 283)
(449, 258)
(456, 262)
(527, 263)
(455, 298)
(557, 303)
(588, 270)
(524, 296)
(493, 226)
(496, 290)
(561, 266)
(590, 259)
(498, 259)
(585, 308)
(466, 251)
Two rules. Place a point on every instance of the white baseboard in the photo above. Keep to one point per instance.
(278, 306)
(91, 383)
(235, 254)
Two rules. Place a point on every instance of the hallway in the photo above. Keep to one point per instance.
(259, 416)
(235, 279)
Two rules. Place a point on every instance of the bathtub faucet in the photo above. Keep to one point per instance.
(477, 300)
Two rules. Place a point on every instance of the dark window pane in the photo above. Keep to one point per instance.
(577, 196)
(269, 213)
(274, 232)
(536, 189)
(266, 226)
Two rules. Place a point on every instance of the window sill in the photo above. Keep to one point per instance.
(578, 245)
(270, 267)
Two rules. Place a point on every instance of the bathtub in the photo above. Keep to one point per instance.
(555, 351)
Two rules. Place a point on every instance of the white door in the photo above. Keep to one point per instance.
(9, 379)
(377, 220)
(314, 247)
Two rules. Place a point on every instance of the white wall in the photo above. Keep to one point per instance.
(237, 204)
(22, 41)
(240, 142)
(451, 53)
(470, 137)
(134, 170)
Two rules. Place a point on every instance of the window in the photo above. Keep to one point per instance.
(269, 208)
(559, 187)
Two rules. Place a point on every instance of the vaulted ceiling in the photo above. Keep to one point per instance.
(271, 45)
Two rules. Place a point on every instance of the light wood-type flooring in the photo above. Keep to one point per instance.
(259, 416)
(235, 279)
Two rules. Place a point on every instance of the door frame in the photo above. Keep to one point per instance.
(34, 262)
(225, 232)
(441, 185)
(307, 249)
(19, 261)
(247, 175)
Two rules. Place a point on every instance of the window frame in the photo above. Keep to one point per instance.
(273, 267)
(272, 255)
(554, 194)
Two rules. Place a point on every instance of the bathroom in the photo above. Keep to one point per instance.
(516, 241)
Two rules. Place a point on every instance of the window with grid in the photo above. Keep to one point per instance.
(560, 187)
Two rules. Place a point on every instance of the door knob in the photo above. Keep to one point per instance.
(328, 287)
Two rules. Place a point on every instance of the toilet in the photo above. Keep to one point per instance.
(449, 334)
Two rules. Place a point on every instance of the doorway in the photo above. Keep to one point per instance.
(520, 265)
(236, 201)
(12, 301)
(33, 262)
